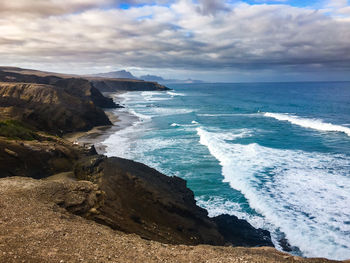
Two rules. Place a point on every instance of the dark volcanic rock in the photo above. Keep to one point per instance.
(239, 232)
(143, 201)
(84, 89)
(38, 159)
(102, 101)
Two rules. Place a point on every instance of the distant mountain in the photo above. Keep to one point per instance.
(152, 78)
(168, 81)
(121, 74)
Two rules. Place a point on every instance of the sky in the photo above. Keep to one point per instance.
(211, 40)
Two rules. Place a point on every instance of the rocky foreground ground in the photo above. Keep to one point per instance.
(36, 226)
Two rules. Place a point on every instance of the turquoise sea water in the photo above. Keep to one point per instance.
(275, 154)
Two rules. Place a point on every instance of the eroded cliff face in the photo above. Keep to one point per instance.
(137, 198)
(39, 158)
(141, 200)
(49, 108)
(112, 85)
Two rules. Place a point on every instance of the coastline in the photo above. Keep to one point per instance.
(119, 118)
(99, 175)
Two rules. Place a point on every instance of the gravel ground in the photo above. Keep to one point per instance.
(33, 228)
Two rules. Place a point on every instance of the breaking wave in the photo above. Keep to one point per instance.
(315, 124)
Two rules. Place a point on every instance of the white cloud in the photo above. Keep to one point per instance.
(49, 7)
(337, 3)
(184, 35)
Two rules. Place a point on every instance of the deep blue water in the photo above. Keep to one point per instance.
(275, 154)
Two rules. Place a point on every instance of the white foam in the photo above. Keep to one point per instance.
(172, 93)
(227, 114)
(121, 143)
(169, 111)
(151, 96)
(315, 124)
(304, 195)
(220, 135)
(216, 205)
(140, 115)
(189, 127)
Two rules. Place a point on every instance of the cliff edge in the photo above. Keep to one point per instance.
(37, 225)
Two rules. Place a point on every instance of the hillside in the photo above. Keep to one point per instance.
(106, 84)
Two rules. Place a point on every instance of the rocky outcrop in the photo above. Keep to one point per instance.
(143, 201)
(38, 158)
(239, 232)
(75, 86)
(37, 225)
(84, 89)
(49, 108)
(137, 198)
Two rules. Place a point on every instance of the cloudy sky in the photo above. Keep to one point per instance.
(213, 40)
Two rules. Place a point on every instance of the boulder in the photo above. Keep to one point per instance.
(238, 232)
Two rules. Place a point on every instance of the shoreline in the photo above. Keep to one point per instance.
(120, 120)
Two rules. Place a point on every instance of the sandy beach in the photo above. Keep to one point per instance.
(120, 119)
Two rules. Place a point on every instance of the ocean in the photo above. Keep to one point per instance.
(275, 154)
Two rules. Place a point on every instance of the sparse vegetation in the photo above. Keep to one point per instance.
(16, 130)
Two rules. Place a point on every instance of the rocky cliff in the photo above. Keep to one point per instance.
(112, 85)
(38, 156)
(141, 200)
(137, 199)
(49, 108)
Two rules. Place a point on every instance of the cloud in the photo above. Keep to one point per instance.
(211, 6)
(49, 7)
(337, 3)
(60, 7)
(244, 37)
